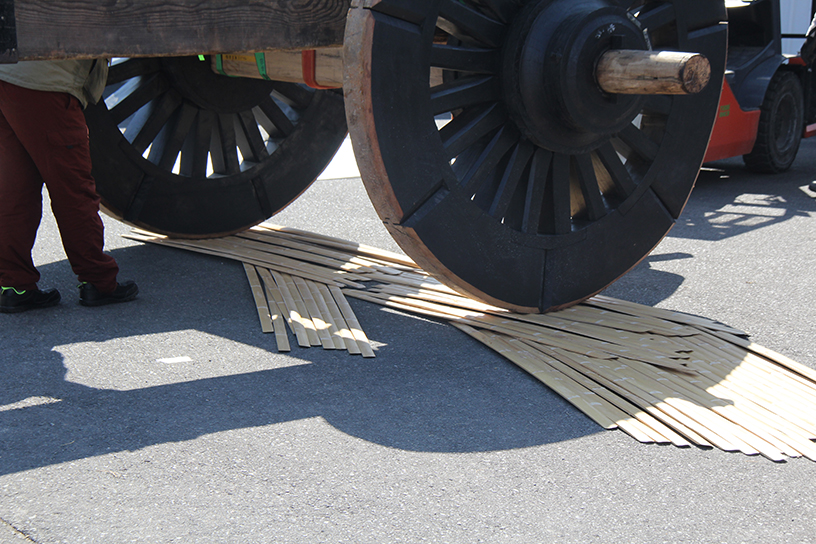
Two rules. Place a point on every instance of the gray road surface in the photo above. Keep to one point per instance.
(436, 440)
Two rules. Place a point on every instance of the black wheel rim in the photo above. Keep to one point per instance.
(493, 203)
(180, 150)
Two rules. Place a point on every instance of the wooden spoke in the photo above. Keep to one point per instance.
(171, 129)
(250, 139)
(510, 180)
(503, 9)
(640, 143)
(617, 170)
(654, 17)
(194, 156)
(469, 24)
(224, 150)
(595, 206)
(276, 116)
(165, 107)
(536, 191)
(538, 169)
(485, 165)
(150, 90)
(464, 92)
(123, 71)
(465, 59)
(176, 136)
(469, 128)
(561, 208)
(297, 94)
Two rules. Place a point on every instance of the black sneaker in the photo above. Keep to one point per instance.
(812, 186)
(13, 301)
(90, 295)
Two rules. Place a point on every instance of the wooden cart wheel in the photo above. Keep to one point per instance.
(180, 150)
(543, 188)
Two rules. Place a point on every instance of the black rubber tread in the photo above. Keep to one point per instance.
(188, 153)
(781, 125)
(481, 204)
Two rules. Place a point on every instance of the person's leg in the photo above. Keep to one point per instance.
(52, 128)
(20, 205)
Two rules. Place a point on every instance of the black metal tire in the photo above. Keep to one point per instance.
(514, 205)
(180, 150)
(781, 125)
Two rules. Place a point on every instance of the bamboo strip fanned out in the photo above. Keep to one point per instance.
(660, 376)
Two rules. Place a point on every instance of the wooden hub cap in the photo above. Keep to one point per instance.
(550, 73)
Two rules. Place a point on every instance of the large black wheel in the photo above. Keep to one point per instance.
(183, 151)
(781, 124)
(542, 189)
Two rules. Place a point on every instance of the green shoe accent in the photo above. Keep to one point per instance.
(13, 289)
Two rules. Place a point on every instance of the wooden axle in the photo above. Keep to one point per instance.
(321, 69)
(649, 72)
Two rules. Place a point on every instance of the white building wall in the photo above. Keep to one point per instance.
(795, 20)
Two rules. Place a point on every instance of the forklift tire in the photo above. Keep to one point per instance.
(781, 123)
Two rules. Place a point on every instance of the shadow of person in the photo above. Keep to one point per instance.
(430, 388)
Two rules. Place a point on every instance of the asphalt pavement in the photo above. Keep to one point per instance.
(173, 418)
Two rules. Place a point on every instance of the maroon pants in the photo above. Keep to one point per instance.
(44, 139)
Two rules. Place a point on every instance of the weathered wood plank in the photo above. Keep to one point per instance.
(137, 28)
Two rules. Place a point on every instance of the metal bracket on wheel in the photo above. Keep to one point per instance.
(8, 33)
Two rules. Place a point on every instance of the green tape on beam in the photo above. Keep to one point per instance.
(260, 60)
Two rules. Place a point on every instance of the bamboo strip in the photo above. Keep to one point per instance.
(772, 430)
(322, 273)
(328, 241)
(296, 319)
(718, 364)
(653, 406)
(351, 320)
(748, 398)
(277, 239)
(411, 280)
(266, 263)
(321, 325)
(808, 373)
(715, 412)
(388, 302)
(260, 299)
(660, 432)
(602, 413)
(330, 263)
(323, 309)
(641, 422)
(438, 297)
(303, 310)
(665, 315)
(690, 421)
(596, 315)
(343, 330)
(277, 308)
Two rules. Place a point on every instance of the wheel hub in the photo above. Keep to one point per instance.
(197, 82)
(549, 73)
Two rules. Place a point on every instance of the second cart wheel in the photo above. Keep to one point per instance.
(180, 150)
(781, 123)
(542, 188)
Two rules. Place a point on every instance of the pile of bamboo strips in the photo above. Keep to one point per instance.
(660, 376)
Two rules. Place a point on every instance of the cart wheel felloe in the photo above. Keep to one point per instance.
(180, 150)
(781, 123)
(540, 189)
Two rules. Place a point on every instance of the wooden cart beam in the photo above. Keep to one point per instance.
(52, 29)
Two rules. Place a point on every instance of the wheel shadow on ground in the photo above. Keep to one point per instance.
(646, 284)
(430, 388)
(730, 200)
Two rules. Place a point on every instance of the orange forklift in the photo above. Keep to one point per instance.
(767, 104)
